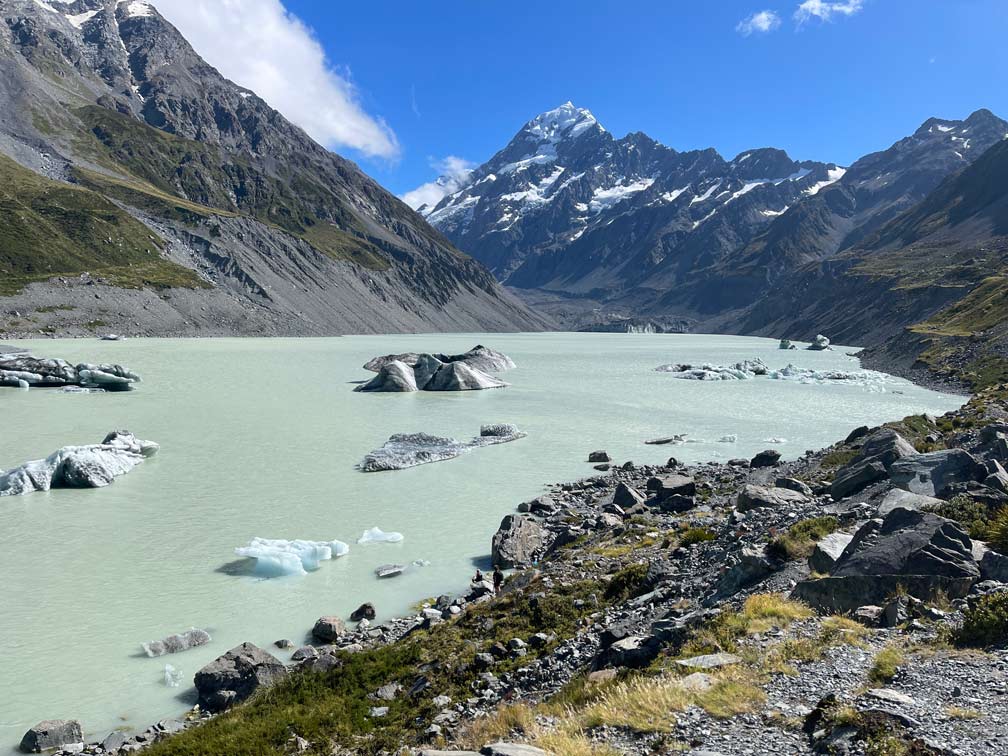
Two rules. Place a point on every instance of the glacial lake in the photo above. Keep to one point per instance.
(260, 437)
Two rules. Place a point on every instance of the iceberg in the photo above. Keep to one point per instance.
(740, 371)
(191, 638)
(869, 379)
(404, 450)
(731, 438)
(377, 535)
(413, 371)
(91, 466)
(279, 557)
(172, 676)
(18, 367)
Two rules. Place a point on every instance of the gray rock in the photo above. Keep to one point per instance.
(512, 749)
(756, 497)
(673, 485)
(856, 477)
(794, 485)
(364, 611)
(930, 474)
(923, 553)
(766, 458)
(900, 498)
(328, 629)
(52, 733)
(748, 567)
(625, 497)
(599, 456)
(993, 566)
(114, 741)
(709, 661)
(519, 542)
(233, 677)
(632, 652)
(827, 551)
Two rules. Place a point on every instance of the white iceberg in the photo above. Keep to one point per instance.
(775, 440)
(377, 535)
(871, 380)
(91, 466)
(740, 371)
(172, 676)
(191, 638)
(731, 438)
(276, 556)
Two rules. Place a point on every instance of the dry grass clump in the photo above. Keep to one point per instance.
(649, 704)
(887, 663)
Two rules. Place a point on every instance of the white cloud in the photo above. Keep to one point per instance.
(260, 45)
(825, 11)
(762, 21)
(454, 172)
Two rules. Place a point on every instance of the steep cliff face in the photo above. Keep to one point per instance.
(108, 97)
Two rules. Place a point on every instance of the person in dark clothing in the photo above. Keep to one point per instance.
(498, 579)
(478, 577)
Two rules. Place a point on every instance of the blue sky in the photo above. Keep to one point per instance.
(461, 77)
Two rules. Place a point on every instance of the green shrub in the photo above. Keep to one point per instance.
(973, 515)
(801, 538)
(626, 583)
(691, 536)
(998, 531)
(887, 663)
(985, 623)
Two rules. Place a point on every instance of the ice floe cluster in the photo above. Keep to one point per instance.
(404, 450)
(414, 371)
(748, 369)
(176, 642)
(90, 466)
(276, 556)
(23, 370)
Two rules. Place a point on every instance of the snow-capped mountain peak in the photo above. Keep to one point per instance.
(566, 121)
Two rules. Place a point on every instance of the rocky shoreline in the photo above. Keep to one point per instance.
(681, 581)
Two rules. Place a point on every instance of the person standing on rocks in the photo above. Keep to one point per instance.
(498, 579)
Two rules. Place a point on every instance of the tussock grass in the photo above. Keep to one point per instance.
(759, 613)
(692, 536)
(801, 538)
(886, 665)
(650, 704)
(505, 722)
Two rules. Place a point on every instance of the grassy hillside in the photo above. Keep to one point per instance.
(49, 229)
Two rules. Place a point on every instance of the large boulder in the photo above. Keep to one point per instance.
(930, 474)
(633, 652)
(872, 462)
(393, 376)
(900, 498)
(328, 629)
(626, 497)
(520, 541)
(673, 485)
(918, 552)
(757, 497)
(748, 567)
(828, 551)
(766, 458)
(236, 675)
(52, 733)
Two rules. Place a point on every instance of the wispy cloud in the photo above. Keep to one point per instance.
(262, 46)
(826, 11)
(454, 173)
(760, 22)
(413, 102)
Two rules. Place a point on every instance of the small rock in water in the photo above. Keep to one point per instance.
(389, 570)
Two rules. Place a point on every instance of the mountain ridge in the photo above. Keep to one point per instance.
(108, 96)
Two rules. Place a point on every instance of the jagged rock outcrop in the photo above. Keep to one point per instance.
(918, 552)
(872, 463)
(930, 474)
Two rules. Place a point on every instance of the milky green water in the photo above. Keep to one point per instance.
(260, 437)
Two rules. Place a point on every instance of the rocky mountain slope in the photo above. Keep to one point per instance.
(180, 202)
(596, 229)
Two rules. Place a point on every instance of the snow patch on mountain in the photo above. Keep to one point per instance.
(603, 199)
(832, 176)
